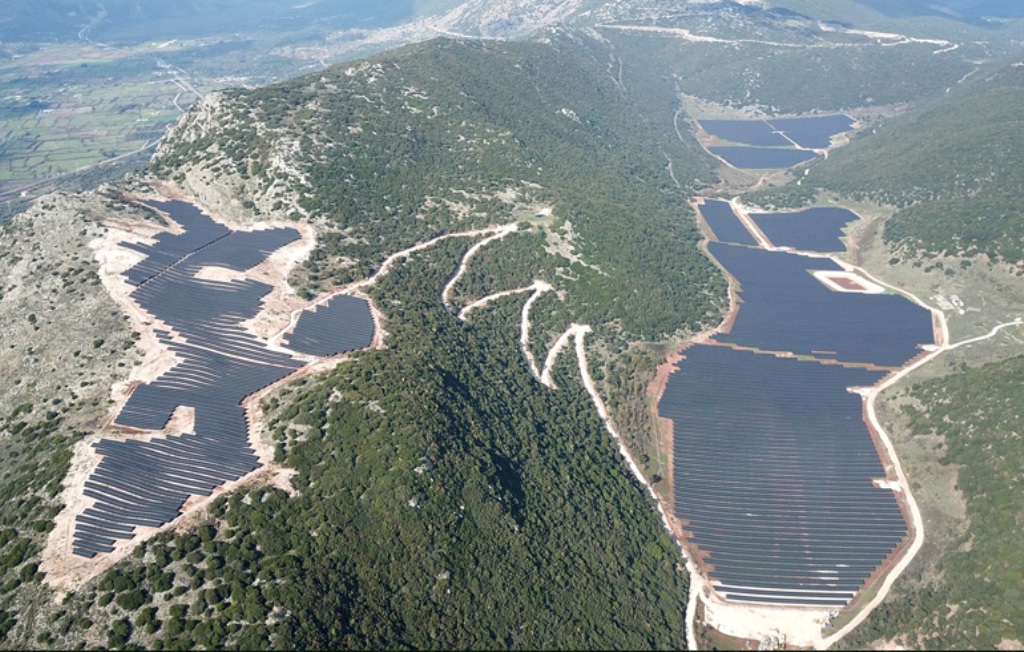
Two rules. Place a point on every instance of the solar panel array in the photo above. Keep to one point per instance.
(724, 223)
(786, 309)
(749, 132)
(774, 465)
(761, 158)
(199, 231)
(774, 142)
(344, 323)
(773, 475)
(813, 229)
(814, 132)
(145, 483)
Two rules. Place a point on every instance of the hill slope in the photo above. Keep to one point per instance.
(445, 498)
(431, 136)
(954, 167)
(965, 593)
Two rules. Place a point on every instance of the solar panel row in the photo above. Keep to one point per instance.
(342, 324)
(812, 132)
(774, 142)
(724, 223)
(774, 472)
(812, 229)
(218, 364)
(786, 309)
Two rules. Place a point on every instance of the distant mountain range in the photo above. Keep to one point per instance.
(127, 19)
(972, 11)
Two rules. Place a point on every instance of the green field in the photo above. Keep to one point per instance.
(67, 107)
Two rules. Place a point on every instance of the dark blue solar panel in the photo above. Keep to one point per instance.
(814, 131)
(784, 308)
(724, 223)
(773, 462)
(199, 231)
(756, 158)
(759, 443)
(813, 229)
(747, 132)
(342, 324)
(140, 483)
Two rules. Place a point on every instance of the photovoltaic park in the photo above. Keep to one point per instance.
(776, 473)
(218, 364)
(773, 142)
(812, 229)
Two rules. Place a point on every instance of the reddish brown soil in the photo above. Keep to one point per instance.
(847, 283)
(890, 562)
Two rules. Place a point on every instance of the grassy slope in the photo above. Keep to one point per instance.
(64, 342)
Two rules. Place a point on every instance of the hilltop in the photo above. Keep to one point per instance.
(952, 167)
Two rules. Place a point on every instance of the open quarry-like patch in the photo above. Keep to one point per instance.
(848, 282)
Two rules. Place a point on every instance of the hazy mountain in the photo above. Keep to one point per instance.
(980, 12)
(135, 20)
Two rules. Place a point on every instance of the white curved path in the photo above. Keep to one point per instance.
(498, 235)
(355, 287)
(577, 333)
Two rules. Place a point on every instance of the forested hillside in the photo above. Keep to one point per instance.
(444, 497)
(426, 140)
(954, 167)
(450, 135)
(780, 61)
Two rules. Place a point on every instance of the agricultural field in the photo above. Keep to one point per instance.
(95, 86)
(64, 108)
